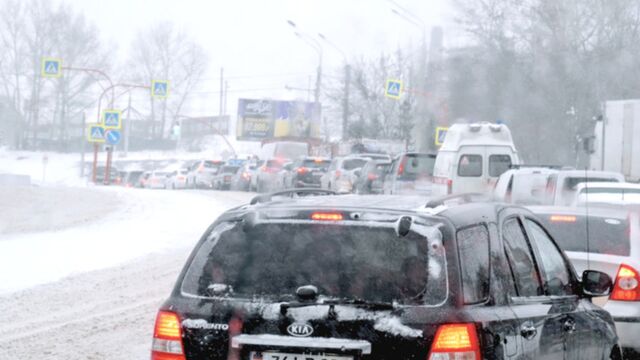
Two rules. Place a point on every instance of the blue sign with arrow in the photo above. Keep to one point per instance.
(113, 136)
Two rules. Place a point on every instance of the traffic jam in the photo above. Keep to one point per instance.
(465, 253)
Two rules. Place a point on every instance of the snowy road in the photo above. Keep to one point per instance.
(106, 313)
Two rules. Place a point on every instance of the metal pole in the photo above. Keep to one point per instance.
(95, 162)
(82, 145)
(126, 127)
(345, 105)
(107, 170)
(221, 98)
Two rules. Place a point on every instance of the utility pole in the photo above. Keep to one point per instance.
(345, 105)
(82, 145)
(221, 99)
(127, 126)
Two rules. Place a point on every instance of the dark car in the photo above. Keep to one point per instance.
(373, 170)
(381, 277)
(114, 175)
(410, 173)
(241, 180)
(222, 180)
(306, 172)
(131, 178)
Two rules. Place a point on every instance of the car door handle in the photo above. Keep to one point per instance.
(528, 331)
(569, 326)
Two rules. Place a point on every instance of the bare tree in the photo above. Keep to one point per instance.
(164, 52)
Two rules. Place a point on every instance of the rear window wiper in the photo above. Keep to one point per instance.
(359, 302)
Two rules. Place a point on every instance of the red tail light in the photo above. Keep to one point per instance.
(326, 216)
(563, 218)
(627, 284)
(302, 170)
(372, 176)
(338, 173)
(401, 167)
(449, 186)
(455, 341)
(167, 337)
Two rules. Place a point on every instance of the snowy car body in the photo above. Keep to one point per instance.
(202, 172)
(222, 180)
(611, 245)
(524, 185)
(177, 179)
(410, 173)
(157, 180)
(379, 277)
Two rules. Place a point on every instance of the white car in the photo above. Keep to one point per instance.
(157, 180)
(608, 240)
(613, 193)
(177, 179)
(561, 186)
(342, 173)
(523, 185)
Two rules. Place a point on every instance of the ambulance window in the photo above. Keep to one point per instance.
(498, 164)
(470, 165)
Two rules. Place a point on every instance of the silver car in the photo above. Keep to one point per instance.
(606, 239)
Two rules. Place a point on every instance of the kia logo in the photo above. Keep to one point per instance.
(299, 329)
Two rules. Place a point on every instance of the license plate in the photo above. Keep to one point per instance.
(288, 356)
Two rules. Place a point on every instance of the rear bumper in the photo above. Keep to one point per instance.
(626, 315)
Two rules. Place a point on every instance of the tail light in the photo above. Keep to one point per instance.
(326, 216)
(302, 170)
(449, 186)
(455, 341)
(181, 177)
(167, 337)
(372, 176)
(563, 218)
(626, 287)
(246, 175)
(401, 167)
(201, 168)
(338, 173)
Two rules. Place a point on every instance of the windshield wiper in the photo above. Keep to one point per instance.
(359, 302)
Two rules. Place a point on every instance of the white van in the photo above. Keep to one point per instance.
(472, 158)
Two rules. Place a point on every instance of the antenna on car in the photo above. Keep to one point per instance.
(586, 205)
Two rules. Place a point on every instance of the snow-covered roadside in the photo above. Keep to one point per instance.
(145, 222)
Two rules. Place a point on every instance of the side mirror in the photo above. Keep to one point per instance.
(596, 283)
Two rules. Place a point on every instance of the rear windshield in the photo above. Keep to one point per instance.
(470, 166)
(382, 168)
(274, 164)
(351, 164)
(230, 169)
(571, 182)
(608, 236)
(271, 260)
(316, 164)
(211, 164)
(498, 164)
(415, 164)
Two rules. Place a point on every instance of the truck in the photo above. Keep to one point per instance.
(615, 145)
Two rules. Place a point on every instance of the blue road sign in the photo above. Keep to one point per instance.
(112, 119)
(441, 133)
(393, 89)
(160, 89)
(96, 133)
(51, 67)
(113, 136)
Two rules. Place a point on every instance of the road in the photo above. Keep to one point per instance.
(102, 314)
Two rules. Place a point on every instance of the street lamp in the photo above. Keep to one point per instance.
(347, 82)
(309, 40)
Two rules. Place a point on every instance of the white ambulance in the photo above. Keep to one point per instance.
(472, 158)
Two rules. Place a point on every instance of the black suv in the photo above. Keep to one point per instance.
(381, 277)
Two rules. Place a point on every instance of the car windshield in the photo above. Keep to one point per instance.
(417, 165)
(351, 164)
(274, 259)
(609, 236)
(229, 169)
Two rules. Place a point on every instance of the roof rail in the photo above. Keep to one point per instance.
(521, 166)
(458, 199)
(292, 193)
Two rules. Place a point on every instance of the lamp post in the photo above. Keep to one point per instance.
(423, 128)
(347, 85)
(317, 46)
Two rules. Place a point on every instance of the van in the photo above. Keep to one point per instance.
(472, 158)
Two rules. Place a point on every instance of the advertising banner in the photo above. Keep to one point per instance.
(264, 119)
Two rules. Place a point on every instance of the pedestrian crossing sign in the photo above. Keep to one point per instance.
(441, 133)
(111, 119)
(95, 133)
(51, 67)
(160, 89)
(393, 89)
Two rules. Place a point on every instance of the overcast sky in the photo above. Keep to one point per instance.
(257, 48)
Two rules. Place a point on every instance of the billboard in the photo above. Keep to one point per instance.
(260, 119)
